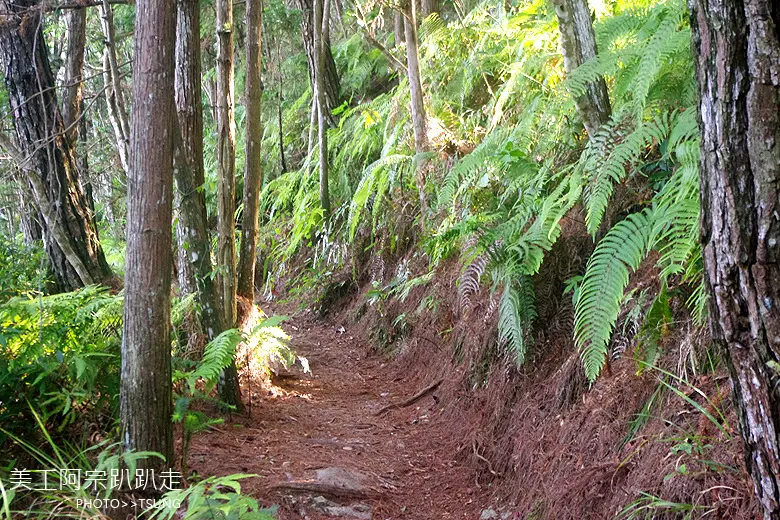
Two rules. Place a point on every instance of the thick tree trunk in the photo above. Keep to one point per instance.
(76, 29)
(320, 34)
(145, 393)
(226, 197)
(112, 78)
(578, 44)
(331, 77)
(45, 154)
(419, 119)
(194, 241)
(737, 51)
(253, 172)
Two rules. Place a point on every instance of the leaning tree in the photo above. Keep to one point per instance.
(45, 149)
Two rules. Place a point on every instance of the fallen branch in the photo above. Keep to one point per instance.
(416, 397)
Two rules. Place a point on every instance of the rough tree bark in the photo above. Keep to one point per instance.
(145, 392)
(253, 171)
(332, 87)
(76, 29)
(226, 184)
(578, 44)
(737, 57)
(45, 153)
(112, 78)
(192, 230)
(419, 119)
(320, 34)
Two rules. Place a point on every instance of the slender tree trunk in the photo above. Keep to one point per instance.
(112, 78)
(578, 44)
(331, 78)
(194, 242)
(282, 162)
(226, 157)
(320, 33)
(226, 197)
(313, 121)
(253, 173)
(428, 7)
(45, 154)
(737, 57)
(75, 27)
(193, 247)
(419, 120)
(145, 393)
(398, 28)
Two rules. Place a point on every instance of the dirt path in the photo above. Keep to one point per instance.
(373, 466)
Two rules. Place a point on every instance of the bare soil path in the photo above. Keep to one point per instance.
(321, 449)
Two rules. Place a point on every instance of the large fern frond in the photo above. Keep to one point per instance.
(601, 293)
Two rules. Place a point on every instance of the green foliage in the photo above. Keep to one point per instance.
(61, 497)
(23, 269)
(601, 293)
(60, 352)
(495, 85)
(214, 498)
(516, 313)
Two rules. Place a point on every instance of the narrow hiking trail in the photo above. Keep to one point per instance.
(322, 449)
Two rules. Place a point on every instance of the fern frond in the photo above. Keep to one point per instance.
(607, 163)
(516, 313)
(217, 356)
(601, 293)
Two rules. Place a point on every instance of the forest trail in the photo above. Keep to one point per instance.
(371, 465)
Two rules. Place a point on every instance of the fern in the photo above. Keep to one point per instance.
(608, 159)
(516, 313)
(217, 356)
(601, 293)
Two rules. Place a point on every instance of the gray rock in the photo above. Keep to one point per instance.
(325, 506)
(346, 478)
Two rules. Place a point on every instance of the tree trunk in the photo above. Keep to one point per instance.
(194, 241)
(398, 28)
(320, 32)
(737, 58)
(226, 197)
(578, 44)
(47, 156)
(331, 78)
(226, 162)
(419, 120)
(253, 172)
(428, 7)
(145, 393)
(282, 162)
(112, 78)
(75, 26)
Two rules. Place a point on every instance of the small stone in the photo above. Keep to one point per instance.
(488, 514)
